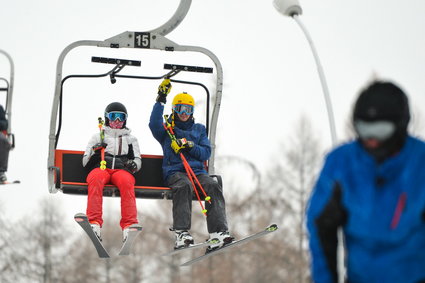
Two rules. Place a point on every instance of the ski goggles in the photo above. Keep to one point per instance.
(116, 115)
(183, 108)
(380, 130)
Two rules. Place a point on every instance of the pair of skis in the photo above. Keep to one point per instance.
(133, 232)
(269, 229)
(135, 229)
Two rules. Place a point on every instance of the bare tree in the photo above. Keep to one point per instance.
(9, 259)
(38, 245)
(290, 180)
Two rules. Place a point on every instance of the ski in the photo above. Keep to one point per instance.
(268, 230)
(10, 182)
(83, 221)
(133, 232)
(190, 247)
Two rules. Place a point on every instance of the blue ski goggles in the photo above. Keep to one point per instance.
(116, 115)
(183, 108)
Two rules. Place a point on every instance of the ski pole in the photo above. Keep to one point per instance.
(187, 168)
(207, 197)
(102, 138)
(204, 211)
(170, 131)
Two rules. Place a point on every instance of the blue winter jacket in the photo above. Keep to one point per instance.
(381, 208)
(196, 156)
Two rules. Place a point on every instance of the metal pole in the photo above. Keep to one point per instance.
(322, 80)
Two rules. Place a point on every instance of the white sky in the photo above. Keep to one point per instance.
(270, 77)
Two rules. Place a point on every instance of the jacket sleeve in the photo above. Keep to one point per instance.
(201, 150)
(136, 151)
(89, 148)
(325, 214)
(156, 122)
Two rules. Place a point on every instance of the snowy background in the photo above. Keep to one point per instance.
(270, 77)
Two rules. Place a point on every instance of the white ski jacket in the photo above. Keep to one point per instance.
(121, 147)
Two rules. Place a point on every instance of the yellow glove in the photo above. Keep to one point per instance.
(163, 90)
(181, 144)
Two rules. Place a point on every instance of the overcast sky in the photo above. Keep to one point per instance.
(270, 76)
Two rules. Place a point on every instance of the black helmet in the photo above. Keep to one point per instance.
(384, 101)
(114, 106)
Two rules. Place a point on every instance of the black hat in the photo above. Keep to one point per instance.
(383, 101)
(114, 106)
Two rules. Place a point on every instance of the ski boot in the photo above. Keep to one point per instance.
(96, 230)
(3, 178)
(224, 238)
(125, 233)
(183, 239)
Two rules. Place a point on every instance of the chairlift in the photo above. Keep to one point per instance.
(6, 86)
(65, 170)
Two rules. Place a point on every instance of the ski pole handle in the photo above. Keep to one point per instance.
(102, 137)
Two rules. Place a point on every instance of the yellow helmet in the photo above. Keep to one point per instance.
(183, 98)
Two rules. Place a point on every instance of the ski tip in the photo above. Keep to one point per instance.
(135, 227)
(80, 217)
(272, 228)
(10, 182)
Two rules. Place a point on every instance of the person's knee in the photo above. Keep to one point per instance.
(211, 184)
(182, 187)
(97, 176)
(123, 180)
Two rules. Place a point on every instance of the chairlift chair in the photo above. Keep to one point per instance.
(65, 171)
(6, 86)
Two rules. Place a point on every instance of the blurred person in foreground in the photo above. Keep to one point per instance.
(374, 189)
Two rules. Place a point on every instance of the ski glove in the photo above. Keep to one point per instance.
(98, 147)
(131, 166)
(163, 90)
(180, 145)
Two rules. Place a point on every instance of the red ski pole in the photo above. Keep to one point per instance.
(204, 211)
(188, 169)
(207, 197)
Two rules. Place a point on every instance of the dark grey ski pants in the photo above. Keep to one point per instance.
(4, 152)
(182, 202)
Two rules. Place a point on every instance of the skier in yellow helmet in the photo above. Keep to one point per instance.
(193, 142)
